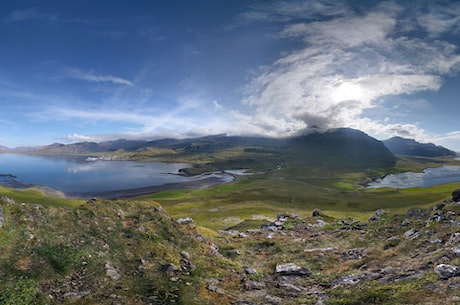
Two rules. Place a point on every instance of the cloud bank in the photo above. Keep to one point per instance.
(350, 62)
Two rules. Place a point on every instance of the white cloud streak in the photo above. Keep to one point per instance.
(78, 74)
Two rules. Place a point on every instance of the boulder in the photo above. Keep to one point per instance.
(292, 269)
(456, 195)
(111, 272)
(447, 271)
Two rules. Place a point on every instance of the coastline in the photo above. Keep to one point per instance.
(135, 192)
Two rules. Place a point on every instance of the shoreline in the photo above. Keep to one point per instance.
(123, 193)
(135, 192)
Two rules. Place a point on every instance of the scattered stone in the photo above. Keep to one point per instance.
(250, 270)
(378, 215)
(328, 249)
(405, 223)
(273, 300)
(357, 253)
(454, 239)
(111, 272)
(185, 263)
(348, 280)
(447, 271)
(291, 269)
(214, 250)
(185, 220)
(456, 251)
(233, 252)
(253, 285)
(316, 213)
(170, 269)
(76, 294)
(212, 286)
(411, 234)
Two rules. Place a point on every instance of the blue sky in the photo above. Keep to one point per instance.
(100, 70)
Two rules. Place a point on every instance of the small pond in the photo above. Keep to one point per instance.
(429, 177)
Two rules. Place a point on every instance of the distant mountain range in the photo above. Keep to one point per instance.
(402, 146)
(341, 147)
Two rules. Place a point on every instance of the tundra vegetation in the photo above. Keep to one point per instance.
(301, 229)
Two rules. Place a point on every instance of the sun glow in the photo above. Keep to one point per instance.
(347, 92)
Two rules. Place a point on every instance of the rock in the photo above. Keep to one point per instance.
(349, 279)
(456, 251)
(76, 294)
(354, 253)
(273, 300)
(232, 252)
(454, 239)
(411, 234)
(185, 263)
(214, 250)
(447, 271)
(253, 285)
(111, 272)
(250, 270)
(405, 223)
(213, 287)
(185, 220)
(378, 215)
(170, 269)
(292, 269)
(456, 195)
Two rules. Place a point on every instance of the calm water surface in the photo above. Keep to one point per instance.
(73, 175)
(429, 177)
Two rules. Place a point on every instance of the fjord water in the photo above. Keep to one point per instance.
(73, 175)
(429, 177)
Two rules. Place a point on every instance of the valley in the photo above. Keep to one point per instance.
(299, 227)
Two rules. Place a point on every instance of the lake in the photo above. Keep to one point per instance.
(76, 177)
(429, 177)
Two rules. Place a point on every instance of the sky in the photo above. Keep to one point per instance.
(84, 70)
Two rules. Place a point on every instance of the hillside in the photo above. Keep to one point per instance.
(132, 252)
(410, 147)
(342, 148)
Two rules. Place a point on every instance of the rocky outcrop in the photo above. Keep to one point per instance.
(291, 269)
(445, 271)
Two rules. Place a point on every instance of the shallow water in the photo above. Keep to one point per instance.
(429, 177)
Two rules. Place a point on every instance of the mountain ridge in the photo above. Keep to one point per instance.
(404, 146)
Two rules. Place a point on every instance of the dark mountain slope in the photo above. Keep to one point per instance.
(344, 148)
(401, 146)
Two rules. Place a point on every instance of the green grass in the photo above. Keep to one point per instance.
(38, 197)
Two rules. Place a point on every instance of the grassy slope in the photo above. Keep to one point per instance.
(37, 259)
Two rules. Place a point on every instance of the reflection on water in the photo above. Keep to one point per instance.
(75, 176)
(429, 177)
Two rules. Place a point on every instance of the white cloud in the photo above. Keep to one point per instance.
(30, 14)
(349, 64)
(92, 77)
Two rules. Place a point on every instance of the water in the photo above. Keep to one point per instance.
(429, 177)
(73, 175)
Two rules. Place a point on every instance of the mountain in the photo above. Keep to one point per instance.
(402, 146)
(4, 149)
(341, 147)
(344, 148)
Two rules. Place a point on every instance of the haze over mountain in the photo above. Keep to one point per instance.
(341, 147)
(401, 146)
